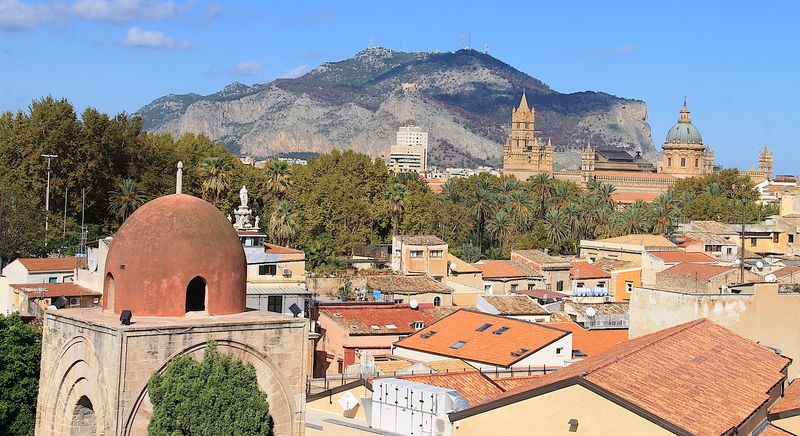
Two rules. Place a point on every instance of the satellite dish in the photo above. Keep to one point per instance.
(295, 309)
(348, 401)
(590, 312)
(759, 264)
(51, 307)
(590, 261)
(453, 266)
(414, 304)
(770, 278)
(60, 302)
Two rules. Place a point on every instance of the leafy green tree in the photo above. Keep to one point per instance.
(21, 225)
(541, 186)
(481, 203)
(20, 353)
(395, 195)
(125, 199)
(501, 226)
(467, 252)
(215, 169)
(283, 223)
(345, 291)
(278, 179)
(321, 252)
(217, 395)
(557, 228)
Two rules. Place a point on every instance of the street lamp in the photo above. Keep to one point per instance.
(47, 196)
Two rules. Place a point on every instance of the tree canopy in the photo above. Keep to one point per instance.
(214, 396)
(20, 353)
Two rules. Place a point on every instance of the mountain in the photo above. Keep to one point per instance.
(463, 99)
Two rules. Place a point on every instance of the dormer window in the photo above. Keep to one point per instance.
(418, 325)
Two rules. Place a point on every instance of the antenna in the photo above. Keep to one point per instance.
(485, 48)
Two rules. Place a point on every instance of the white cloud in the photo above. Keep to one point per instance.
(292, 73)
(16, 15)
(250, 68)
(319, 17)
(626, 49)
(123, 11)
(153, 39)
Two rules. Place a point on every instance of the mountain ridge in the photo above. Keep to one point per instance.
(463, 99)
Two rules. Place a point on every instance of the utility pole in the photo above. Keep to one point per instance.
(47, 197)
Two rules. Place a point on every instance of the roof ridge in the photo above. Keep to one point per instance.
(678, 329)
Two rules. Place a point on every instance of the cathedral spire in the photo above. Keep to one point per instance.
(684, 116)
(523, 103)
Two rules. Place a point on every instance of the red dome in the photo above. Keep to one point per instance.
(175, 254)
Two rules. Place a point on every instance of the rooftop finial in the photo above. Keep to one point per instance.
(179, 178)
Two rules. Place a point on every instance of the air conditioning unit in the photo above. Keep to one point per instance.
(608, 299)
(287, 272)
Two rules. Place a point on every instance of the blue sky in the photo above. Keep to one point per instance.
(735, 61)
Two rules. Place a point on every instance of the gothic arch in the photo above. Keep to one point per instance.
(270, 380)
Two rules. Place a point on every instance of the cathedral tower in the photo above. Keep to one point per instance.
(523, 153)
(684, 152)
(765, 161)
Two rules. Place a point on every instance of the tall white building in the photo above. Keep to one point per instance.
(410, 152)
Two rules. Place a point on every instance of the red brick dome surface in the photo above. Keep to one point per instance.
(162, 247)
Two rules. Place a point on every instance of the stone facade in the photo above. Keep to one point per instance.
(523, 153)
(95, 371)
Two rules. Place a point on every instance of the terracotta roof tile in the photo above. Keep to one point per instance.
(585, 270)
(641, 239)
(707, 238)
(681, 373)
(591, 342)
(508, 383)
(472, 385)
(482, 346)
(790, 400)
(537, 256)
(682, 256)
(461, 266)
(496, 269)
(422, 240)
(49, 263)
(440, 312)
(711, 227)
(359, 320)
(698, 271)
(52, 290)
(607, 264)
(785, 271)
(398, 284)
(515, 305)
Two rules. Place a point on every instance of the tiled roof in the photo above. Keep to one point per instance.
(585, 270)
(640, 239)
(537, 256)
(785, 271)
(49, 263)
(508, 383)
(591, 342)
(631, 197)
(711, 227)
(277, 249)
(421, 240)
(682, 256)
(359, 320)
(461, 266)
(482, 346)
(607, 264)
(542, 294)
(708, 238)
(398, 284)
(698, 376)
(53, 290)
(618, 308)
(496, 269)
(790, 400)
(698, 271)
(472, 385)
(449, 365)
(515, 305)
(442, 311)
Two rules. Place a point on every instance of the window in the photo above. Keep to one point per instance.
(580, 284)
(729, 250)
(531, 286)
(96, 300)
(559, 351)
(437, 253)
(275, 303)
(418, 325)
(391, 326)
(696, 162)
(669, 161)
(501, 330)
(267, 270)
(683, 162)
(52, 280)
(514, 287)
(427, 334)
(416, 253)
(398, 301)
(629, 287)
(74, 301)
(601, 284)
(775, 237)
(560, 286)
(791, 239)
(487, 288)
(752, 242)
(458, 345)
(483, 328)
(437, 301)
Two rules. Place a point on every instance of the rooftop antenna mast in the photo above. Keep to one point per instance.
(82, 249)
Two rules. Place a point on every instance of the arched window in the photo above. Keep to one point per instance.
(437, 301)
(108, 291)
(196, 295)
(84, 421)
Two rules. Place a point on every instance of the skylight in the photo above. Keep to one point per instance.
(519, 352)
(391, 326)
(338, 315)
(501, 330)
(483, 328)
(427, 334)
(458, 345)
(375, 327)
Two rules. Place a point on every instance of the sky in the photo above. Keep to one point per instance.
(735, 62)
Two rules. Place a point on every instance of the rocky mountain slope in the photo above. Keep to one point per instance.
(463, 99)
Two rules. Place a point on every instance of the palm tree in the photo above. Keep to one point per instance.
(632, 219)
(521, 207)
(507, 186)
(541, 185)
(450, 192)
(278, 181)
(662, 218)
(394, 200)
(125, 199)
(501, 225)
(557, 227)
(605, 192)
(481, 204)
(561, 194)
(715, 190)
(215, 170)
(608, 223)
(283, 223)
